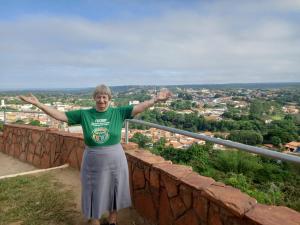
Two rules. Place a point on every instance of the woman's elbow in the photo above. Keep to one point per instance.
(63, 118)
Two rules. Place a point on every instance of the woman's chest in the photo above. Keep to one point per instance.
(102, 120)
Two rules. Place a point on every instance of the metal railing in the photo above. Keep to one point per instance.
(243, 147)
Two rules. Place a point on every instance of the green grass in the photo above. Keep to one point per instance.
(277, 117)
(36, 200)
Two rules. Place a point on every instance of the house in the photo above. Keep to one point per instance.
(134, 102)
(175, 144)
(292, 146)
(270, 146)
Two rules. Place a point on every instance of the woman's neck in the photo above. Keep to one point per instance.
(101, 110)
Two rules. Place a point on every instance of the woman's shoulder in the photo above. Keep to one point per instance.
(87, 110)
(122, 108)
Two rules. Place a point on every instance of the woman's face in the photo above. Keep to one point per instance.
(102, 102)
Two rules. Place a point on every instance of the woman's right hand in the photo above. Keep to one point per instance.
(56, 114)
(30, 99)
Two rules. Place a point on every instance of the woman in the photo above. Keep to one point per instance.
(104, 170)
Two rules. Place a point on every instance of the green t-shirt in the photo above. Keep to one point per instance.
(100, 128)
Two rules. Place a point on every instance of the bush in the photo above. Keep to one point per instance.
(35, 123)
(140, 139)
(237, 162)
(248, 137)
(267, 180)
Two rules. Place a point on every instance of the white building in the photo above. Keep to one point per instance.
(134, 102)
(26, 107)
(75, 129)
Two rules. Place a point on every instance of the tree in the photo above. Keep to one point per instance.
(160, 143)
(185, 96)
(20, 122)
(35, 123)
(181, 104)
(140, 139)
(199, 156)
(276, 141)
(246, 136)
(256, 109)
(285, 129)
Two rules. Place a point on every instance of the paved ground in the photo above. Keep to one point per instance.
(71, 178)
(10, 165)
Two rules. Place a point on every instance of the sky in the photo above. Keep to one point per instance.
(77, 44)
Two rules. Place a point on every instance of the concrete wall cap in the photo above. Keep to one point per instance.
(273, 215)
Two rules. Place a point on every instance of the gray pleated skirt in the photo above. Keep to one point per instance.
(104, 180)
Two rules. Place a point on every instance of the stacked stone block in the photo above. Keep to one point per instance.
(42, 147)
(170, 194)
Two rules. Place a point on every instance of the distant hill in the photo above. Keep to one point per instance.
(126, 88)
(243, 85)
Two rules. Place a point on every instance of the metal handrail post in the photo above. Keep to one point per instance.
(126, 131)
(4, 116)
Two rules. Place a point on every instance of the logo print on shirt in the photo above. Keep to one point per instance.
(100, 135)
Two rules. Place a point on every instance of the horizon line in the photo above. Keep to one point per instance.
(149, 85)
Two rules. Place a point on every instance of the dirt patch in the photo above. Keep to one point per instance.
(16, 223)
(10, 165)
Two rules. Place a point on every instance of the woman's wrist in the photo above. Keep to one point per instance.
(154, 99)
(38, 104)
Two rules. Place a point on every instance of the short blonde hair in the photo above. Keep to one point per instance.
(102, 90)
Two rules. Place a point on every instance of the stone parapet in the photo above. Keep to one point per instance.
(162, 192)
(1, 141)
(167, 194)
(273, 215)
(42, 147)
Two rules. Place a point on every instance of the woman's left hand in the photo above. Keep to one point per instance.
(163, 95)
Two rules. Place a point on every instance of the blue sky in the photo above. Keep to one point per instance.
(69, 43)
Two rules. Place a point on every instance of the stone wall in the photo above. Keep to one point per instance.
(1, 141)
(162, 192)
(166, 194)
(42, 147)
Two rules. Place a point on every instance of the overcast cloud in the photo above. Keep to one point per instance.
(219, 42)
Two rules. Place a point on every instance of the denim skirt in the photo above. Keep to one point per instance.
(104, 180)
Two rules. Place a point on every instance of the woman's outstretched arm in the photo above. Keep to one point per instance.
(56, 114)
(160, 97)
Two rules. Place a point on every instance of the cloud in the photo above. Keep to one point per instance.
(200, 45)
